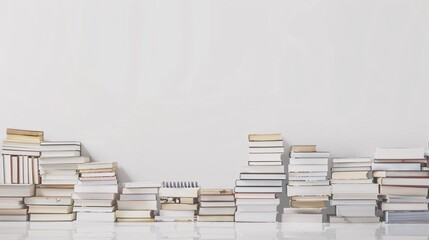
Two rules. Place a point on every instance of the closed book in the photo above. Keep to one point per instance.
(396, 166)
(355, 188)
(215, 218)
(94, 203)
(262, 157)
(308, 183)
(52, 148)
(253, 163)
(106, 196)
(308, 168)
(267, 150)
(302, 218)
(173, 213)
(266, 176)
(302, 161)
(404, 181)
(309, 154)
(351, 175)
(141, 185)
(55, 166)
(303, 148)
(96, 189)
(266, 144)
(335, 219)
(95, 209)
(352, 164)
(54, 192)
(141, 197)
(254, 195)
(179, 192)
(14, 218)
(11, 200)
(134, 213)
(308, 190)
(349, 202)
(59, 154)
(54, 217)
(62, 160)
(97, 165)
(275, 201)
(352, 160)
(13, 211)
(98, 174)
(49, 209)
(18, 152)
(14, 131)
(135, 220)
(49, 201)
(179, 206)
(16, 190)
(355, 196)
(404, 206)
(216, 191)
(137, 205)
(263, 169)
(399, 153)
(350, 169)
(95, 217)
(308, 204)
(217, 198)
(400, 173)
(403, 191)
(217, 211)
(255, 216)
(256, 183)
(259, 189)
(355, 211)
(217, 204)
(257, 208)
(265, 137)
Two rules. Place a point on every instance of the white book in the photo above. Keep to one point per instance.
(256, 183)
(173, 213)
(11, 200)
(75, 176)
(302, 161)
(352, 160)
(21, 169)
(309, 154)
(14, 218)
(133, 214)
(59, 143)
(64, 166)
(353, 202)
(96, 183)
(217, 204)
(350, 169)
(335, 219)
(261, 157)
(54, 192)
(267, 150)
(16, 190)
(396, 166)
(302, 210)
(308, 190)
(60, 201)
(140, 190)
(25, 170)
(263, 169)
(352, 164)
(94, 203)
(36, 169)
(98, 174)
(404, 181)
(275, 201)
(62, 160)
(60, 154)
(141, 185)
(96, 189)
(217, 211)
(59, 181)
(399, 153)
(309, 183)
(266, 144)
(253, 163)
(355, 188)
(7, 169)
(404, 206)
(268, 176)
(97, 165)
(355, 211)
(140, 197)
(311, 179)
(30, 170)
(217, 198)
(259, 189)
(353, 181)
(308, 174)
(45, 217)
(255, 195)
(257, 208)
(95, 217)
(137, 205)
(308, 168)
(255, 216)
(96, 209)
(106, 196)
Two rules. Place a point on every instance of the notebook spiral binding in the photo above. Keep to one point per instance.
(188, 184)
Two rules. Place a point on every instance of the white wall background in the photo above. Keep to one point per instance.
(170, 89)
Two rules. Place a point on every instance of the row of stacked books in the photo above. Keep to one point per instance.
(261, 180)
(403, 176)
(354, 194)
(308, 186)
(20, 157)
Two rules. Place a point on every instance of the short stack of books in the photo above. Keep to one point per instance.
(138, 202)
(216, 205)
(179, 201)
(354, 194)
(308, 187)
(12, 207)
(58, 170)
(21, 152)
(404, 181)
(261, 180)
(96, 192)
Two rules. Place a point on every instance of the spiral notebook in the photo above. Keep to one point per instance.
(179, 189)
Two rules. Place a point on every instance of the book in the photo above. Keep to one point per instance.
(265, 157)
(355, 188)
(138, 205)
(17, 190)
(50, 209)
(46, 217)
(256, 183)
(48, 201)
(404, 181)
(95, 216)
(403, 191)
(309, 154)
(141, 185)
(14, 131)
(257, 144)
(263, 169)
(216, 191)
(308, 190)
(97, 165)
(134, 214)
(217, 211)
(94, 203)
(212, 218)
(303, 148)
(265, 137)
(335, 219)
(355, 210)
(397, 166)
(266, 176)
(404, 206)
(259, 189)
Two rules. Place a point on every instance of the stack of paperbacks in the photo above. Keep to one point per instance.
(138, 202)
(96, 192)
(12, 207)
(21, 151)
(179, 201)
(354, 194)
(404, 179)
(58, 170)
(308, 187)
(216, 205)
(261, 180)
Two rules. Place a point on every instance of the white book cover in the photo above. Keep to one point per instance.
(173, 213)
(261, 157)
(140, 197)
(59, 160)
(274, 201)
(60, 154)
(217, 211)
(263, 169)
(396, 166)
(141, 185)
(302, 161)
(257, 208)
(355, 211)
(256, 183)
(355, 188)
(96, 189)
(308, 168)
(217, 204)
(254, 176)
(308, 190)
(352, 160)
(95, 217)
(266, 144)
(7, 169)
(310, 154)
(267, 150)
(259, 189)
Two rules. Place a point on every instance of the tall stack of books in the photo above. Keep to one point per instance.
(179, 201)
(216, 205)
(261, 180)
(12, 207)
(404, 181)
(308, 187)
(21, 152)
(354, 194)
(96, 192)
(138, 202)
(58, 169)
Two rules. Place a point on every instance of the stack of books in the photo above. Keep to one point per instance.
(58, 170)
(138, 202)
(308, 187)
(96, 192)
(179, 201)
(404, 180)
(261, 180)
(354, 194)
(12, 207)
(21, 152)
(216, 205)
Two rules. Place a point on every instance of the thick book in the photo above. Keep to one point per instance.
(302, 218)
(404, 206)
(265, 157)
(400, 173)
(95, 217)
(255, 195)
(215, 218)
(258, 183)
(355, 196)
(13, 211)
(349, 202)
(137, 205)
(263, 169)
(179, 192)
(255, 216)
(266, 144)
(46, 217)
(54, 192)
(62, 160)
(303, 148)
(17, 190)
(96, 189)
(140, 190)
(399, 153)
(302, 161)
(352, 165)
(355, 211)
(350, 169)
(94, 203)
(308, 168)
(179, 206)
(217, 204)
(173, 213)
(404, 181)
(49, 209)
(14, 218)
(48, 201)
(96, 209)
(253, 163)
(336, 219)
(274, 201)
(308, 190)
(216, 191)
(106, 196)
(265, 137)
(309, 154)
(217, 198)
(257, 208)
(259, 189)
(134, 214)
(46, 154)
(403, 191)
(355, 188)
(97, 165)
(138, 197)
(352, 160)
(217, 211)
(141, 185)
(351, 175)
(396, 166)
(308, 204)
(14, 131)
(408, 217)
(266, 176)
